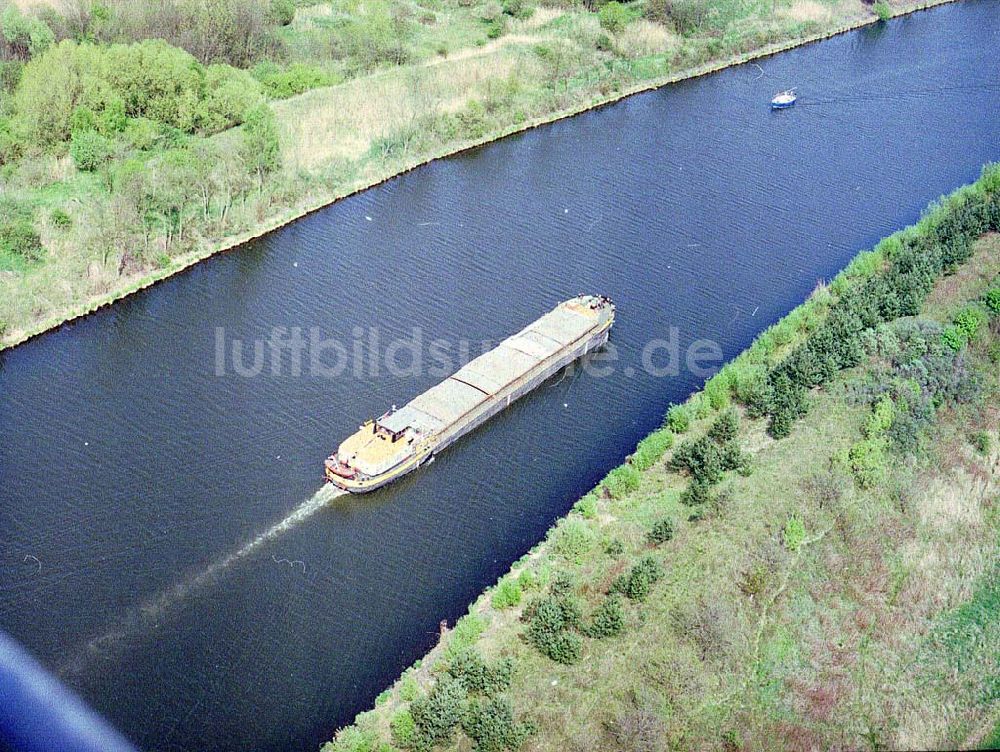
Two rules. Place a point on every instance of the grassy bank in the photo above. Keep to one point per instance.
(835, 587)
(116, 196)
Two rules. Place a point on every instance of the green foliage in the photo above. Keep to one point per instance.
(622, 480)
(992, 300)
(586, 507)
(403, 728)
(639, 581)
(981, 442)
(614, 547)
(230, 95)
(493, 727)
(281, 83)
(437, 713)
(707, 458)
(652, 448)
(868, 462)
(476, 675)
(283, 11)
(889, 283)
(376, 36)
(954, 338)
(26, 34)
(697, 494)
(882, 10)
(519, 9)
(18, 237)
(466, 632)
(970, 320)
(678, 418)
(551, 620)
(608, 620)
(90, 150)
(662, 531)
(74, 87)
(408, 688)
(573, 538)
(613, 16)
(261, 146)
(794, 534)
(507, 593)
(61, 219)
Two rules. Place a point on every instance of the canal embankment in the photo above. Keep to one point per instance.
(780, 557)
(554, 67)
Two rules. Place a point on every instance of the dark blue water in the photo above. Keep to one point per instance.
(157, 545)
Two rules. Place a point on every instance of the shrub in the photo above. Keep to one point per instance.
(408, 688)
(519, 9)
(662, 532)
(25, 34)
(725, 427)
(551, 620)
(283, 11)
(587, 506)
(614, 547)
(18, 236)
(794, 534)
(573, 537)
(970, 320)
(229, 95)
(608, 620)
(61, 219)
(867, 462)
(637, 584)
(701, 459)
(992, 300)
(437, 713)
(678, 418)
(280, 83)
(981, 442)
(652, 448)
(506, 594)
(613, 16)
(466, 632)
(404, 729)
(621, 481)
(261, 147)
(882, 10)
(90, 150)
(697, 494)
(476, 675)
(492, 726)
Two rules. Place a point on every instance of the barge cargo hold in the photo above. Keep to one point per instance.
(401, 440)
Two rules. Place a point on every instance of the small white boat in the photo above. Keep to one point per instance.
(783, 99)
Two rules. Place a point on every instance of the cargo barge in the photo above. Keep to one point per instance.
(401, 440)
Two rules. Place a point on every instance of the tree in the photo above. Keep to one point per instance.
(261, 145)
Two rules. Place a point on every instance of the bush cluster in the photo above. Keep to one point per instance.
(621, 481)
(18, 236)
(706, 459)
(652, 448)
(912, 261)
(491, 724)
(507, 593)
(552, 621)
(639, 580)
(476, 675)
(84, 87)
(661, 532)
(608, 620)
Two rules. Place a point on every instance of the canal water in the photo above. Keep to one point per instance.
(161, 547)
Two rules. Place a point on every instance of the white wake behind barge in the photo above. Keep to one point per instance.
(401, 440)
